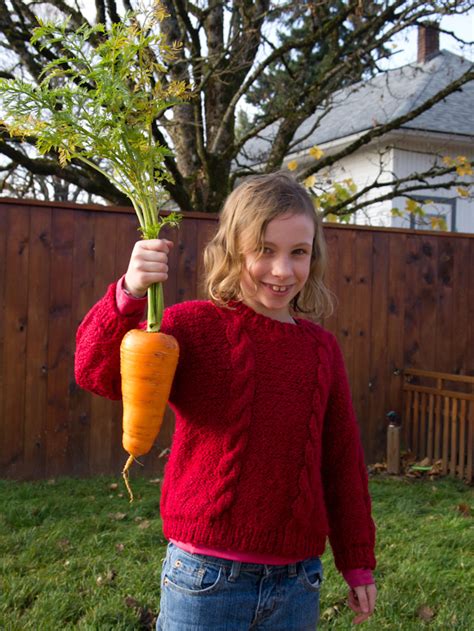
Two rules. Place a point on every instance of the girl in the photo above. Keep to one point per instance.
(266, 460)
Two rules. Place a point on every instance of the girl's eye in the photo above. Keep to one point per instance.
(300, 251)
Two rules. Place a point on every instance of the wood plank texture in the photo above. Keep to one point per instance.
(404, 300)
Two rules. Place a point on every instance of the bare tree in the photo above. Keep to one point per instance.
(285, 59)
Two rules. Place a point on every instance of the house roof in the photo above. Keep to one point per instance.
(382, 99)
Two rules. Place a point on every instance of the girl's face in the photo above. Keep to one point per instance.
(283, 269)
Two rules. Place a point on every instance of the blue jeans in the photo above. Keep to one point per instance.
(206, 593)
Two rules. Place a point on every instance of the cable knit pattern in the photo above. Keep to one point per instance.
(239, 414)
(266, 457)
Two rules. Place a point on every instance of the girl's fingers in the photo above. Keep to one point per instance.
(150, 265)
(156, 245)
(362, 601)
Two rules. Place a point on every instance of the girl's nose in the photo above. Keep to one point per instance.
(282, 267)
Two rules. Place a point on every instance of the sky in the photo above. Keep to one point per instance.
(461, 25)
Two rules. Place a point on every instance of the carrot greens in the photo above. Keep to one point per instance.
(98, 102)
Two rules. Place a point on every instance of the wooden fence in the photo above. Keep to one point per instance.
(405, 299)
(438, 420)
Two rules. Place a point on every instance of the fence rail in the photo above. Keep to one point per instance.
(439, 421)
(405, 298)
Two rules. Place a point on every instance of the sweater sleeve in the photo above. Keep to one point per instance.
(98, 339)
(345, 480)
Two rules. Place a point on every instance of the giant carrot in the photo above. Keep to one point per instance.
(147, 363)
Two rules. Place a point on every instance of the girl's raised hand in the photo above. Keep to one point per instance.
(148, 265)
(362, 601)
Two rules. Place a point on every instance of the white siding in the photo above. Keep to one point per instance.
(448, 202)
(364, 167)
(405, 157)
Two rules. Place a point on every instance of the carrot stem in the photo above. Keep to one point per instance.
(155, 307)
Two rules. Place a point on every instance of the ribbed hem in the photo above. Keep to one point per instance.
(357, 578)
(285, 543)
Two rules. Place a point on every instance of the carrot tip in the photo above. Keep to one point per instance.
(125, 476)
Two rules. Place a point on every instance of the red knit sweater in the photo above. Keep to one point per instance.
(266, 455)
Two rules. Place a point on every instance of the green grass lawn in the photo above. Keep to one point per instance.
(74, 554)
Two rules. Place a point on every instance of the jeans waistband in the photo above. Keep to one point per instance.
(236, 567)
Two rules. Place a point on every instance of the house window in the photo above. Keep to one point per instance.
(440, 207)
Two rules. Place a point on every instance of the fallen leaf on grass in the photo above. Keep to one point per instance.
(131, 602)
(155, 481)
(464, 509)
(330, 613)
(144, 524)
(147, 617)
(106, 579)
(120, 547)
(117, 516)
(113, 486)
(425, 613)
(64, 544)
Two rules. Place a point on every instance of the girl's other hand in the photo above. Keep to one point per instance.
(148, 265)
(362, 601)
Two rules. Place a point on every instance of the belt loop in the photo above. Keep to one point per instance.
(292, 570)
(235, 570)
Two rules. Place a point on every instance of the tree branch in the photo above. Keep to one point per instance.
(76, 173)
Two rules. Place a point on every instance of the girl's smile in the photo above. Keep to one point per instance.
(269, 282)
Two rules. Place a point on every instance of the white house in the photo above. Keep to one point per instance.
(445, 130)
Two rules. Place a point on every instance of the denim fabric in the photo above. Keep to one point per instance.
(206, 593)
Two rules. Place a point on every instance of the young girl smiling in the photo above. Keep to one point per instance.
(266, 461)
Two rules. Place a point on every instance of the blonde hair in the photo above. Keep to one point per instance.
(242, 222)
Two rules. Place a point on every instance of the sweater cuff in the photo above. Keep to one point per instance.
(356, 578)
(127, 304)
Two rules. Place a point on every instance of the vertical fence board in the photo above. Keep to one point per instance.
(426, 300)
(362, 328)
(470, 442)
(443, 340)
(430, 427)
(446, 428)
(4, 270)
(461, 321)
(347, 274)
(412, 302)
(14, 347)
(61, 342)
(81, 301)
(100, 436)
(462, 439)
(36, 395)
(438, 427)
(380, 373)
(454, 437)
(333, 278)
(204, 235)
(395, 321)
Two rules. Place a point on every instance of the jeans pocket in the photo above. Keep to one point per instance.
(311, 574)
(191, 575)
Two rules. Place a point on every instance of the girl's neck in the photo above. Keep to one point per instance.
(279, 316)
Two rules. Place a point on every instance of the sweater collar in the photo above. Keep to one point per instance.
(264, 322)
